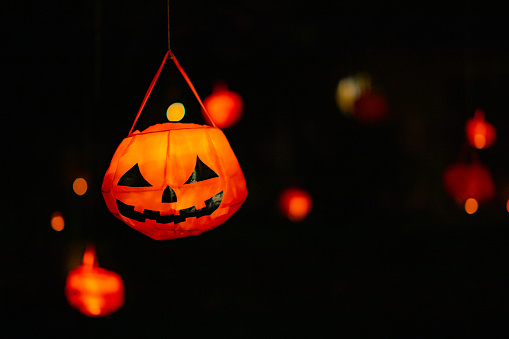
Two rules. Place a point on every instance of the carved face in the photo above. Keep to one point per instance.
(174, 180)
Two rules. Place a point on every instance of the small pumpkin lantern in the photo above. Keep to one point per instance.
(94, 291)
(480, 133)
(464, 181)
(295, 203)
(224, 106)
(174, 180)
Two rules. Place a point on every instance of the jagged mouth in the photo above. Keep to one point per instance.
(210, 206)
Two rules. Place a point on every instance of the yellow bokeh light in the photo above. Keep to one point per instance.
(471, 206)
(175, 112)
(349, 90)
(57, 221)
(80, 186)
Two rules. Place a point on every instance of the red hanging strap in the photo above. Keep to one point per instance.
(152, 84)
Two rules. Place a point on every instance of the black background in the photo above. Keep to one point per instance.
(384, 248)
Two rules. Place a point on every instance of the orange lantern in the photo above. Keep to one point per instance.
(295, 203)
(466, 181)
(94, 291)
(223, 106)
(480, 133)
(370, 107)
(174, 180)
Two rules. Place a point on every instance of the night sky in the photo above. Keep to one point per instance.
(384, 250)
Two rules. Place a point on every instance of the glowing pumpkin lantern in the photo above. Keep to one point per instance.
(223, 106)
(480, 133)
(94, 291)
(174, 180)
(466, 181)
(295, 203)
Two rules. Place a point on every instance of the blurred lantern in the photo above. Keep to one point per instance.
(465, 181)
(94, 291)
(223, 106)
(370, 107)
(480, 133)
(173, 180)
(295, 203)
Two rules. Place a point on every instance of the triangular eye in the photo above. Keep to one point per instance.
(133, 178)
(201, 172)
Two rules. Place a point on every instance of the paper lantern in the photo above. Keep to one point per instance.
(174, 180)
(370, 107)
(223, 106)
(295, 203)
(464, 181)
(94, 291)
(480, 133)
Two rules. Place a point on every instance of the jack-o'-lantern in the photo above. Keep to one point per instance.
(94, 291)
(174, 180)
(480, 133)
(465, 181)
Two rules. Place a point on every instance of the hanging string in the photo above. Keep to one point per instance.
(168, 14)
(181, 70)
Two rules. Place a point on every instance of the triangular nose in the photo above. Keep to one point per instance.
(169, 195)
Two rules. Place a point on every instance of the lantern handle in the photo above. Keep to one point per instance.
(154, 80)
(181, 70)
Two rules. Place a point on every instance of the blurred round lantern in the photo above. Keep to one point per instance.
(464, 181)
(370, 107)
(94, 291)
(295, 203)
(223, 106)
(174, 180)
(480, 133)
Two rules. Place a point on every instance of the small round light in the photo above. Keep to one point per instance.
(471, 206)
(57, 221)
(80, 186)
(175, 112)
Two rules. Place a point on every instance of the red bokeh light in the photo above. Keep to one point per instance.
(224, 106)
(480, 133)
(370, 107)
(465, 181)
(295, 203)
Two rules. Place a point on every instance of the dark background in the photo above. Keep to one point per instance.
(384, 248)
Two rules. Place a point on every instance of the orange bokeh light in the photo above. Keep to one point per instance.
(57, 221)
(471, 206)
(94, 291)
(80, 186)
(295, 204)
